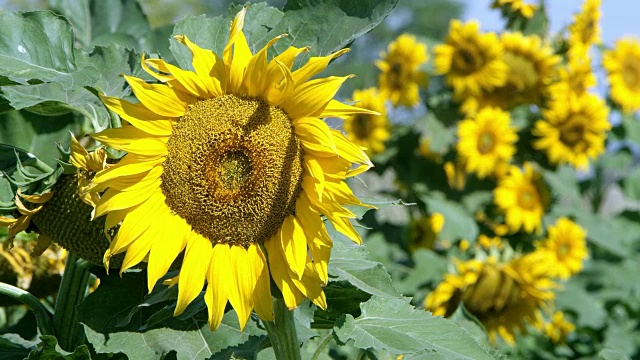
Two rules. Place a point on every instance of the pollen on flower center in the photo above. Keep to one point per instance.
(233, 169)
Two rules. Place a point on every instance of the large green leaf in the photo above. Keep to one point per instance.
(394, 325)
(38, 46)
(340, 22)
(49, 349)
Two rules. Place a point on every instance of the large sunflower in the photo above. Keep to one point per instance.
(522, 197)
(623, 66)
(566, 247)
(232, 163)
(504, 296)
(530, 65)
(368, 130)
(573, 130)
(471, 61)
(400, 78)
(486, 141)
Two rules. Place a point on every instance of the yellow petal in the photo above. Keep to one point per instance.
(315, 173)
(236, 30)
(256, 72)
(132, 140)
(337, 109)
(263, 303)
(220, 284)
(131, 182)
(23, 210)
(241, 294)
(37, 199)
(349, 150)
(209, 68)
(189, 80)
(318, 240)
(160, 98)
(138, 249)
(194, 269)
(139, 116)
(280, 273)
(79, 154)
(315, 135)
(314, 66)
(312, 96)
(7, 221)
(310, 286)
(294, 245)
(129, 165)
(115, 200)
(277, 93)
(286, 59)
(164, 251)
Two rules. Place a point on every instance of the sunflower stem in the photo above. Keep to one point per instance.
(43, 317)
(71, 292)
(282, 332)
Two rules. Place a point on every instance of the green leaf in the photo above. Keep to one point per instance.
(342, 298)
(590, 312)
(614, 234)
(49, 349)
(458, 222)
(348, 262)
(394, 325)
(39, 46)
(341, 22)
(429, 267)
(631, 127)
(613, 354)
(193, 342)
(101, 22)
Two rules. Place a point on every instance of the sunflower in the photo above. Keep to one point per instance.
(522, 197)
(504, 296)
(515, 7)
(530, 64)
(367, 130)
(471, 61)
(585, 30)
(486, 141)
(424, 232)
(573, 130)
(558, 328)
(575, 78)
(566, 247)
(401, 77)
(623, 67)
(231, 164)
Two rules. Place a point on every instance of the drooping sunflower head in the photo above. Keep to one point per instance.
(573, 130)
(224, 163)
(400, 78)
(486, 141)
(471, 61)
(584, 31)
(623, 67)
(367, 130)
(503, 298)
(566, 247)
(530, 64)
(518, 7)
(522, 196)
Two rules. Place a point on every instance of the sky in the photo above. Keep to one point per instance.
(619, 17)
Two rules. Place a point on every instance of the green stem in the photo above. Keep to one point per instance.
(322, 345)
(72, 290)
(282, 332)
(43, 317)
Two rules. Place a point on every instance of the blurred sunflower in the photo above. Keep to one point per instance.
(504, 296)
(566, 247)
(367, 130)
(471, 61)
(226, 162)
(401, 76)
(486, 141)
(519, 7)
(558, 328)
(576, 77)
(573, 129)
(522, 197)
(424, 232)
(584, 31)
(530, 69)
(623, 67)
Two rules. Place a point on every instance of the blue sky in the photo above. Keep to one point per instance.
(619, 18)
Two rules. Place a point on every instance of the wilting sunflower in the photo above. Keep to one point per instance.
(486, 141)
(504, 296)
(519, 7)
(530, 69)
(232, 163)
(471, 61)
(368, 130)
(401, 76)
(28, 206)
(573, 129)
(623, 66)
(522, 197)
(584, 31)
(558, 328)
(566, 247)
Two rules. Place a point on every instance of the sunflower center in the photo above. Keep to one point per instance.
(486, 142)
(522, 72)
(528, 199)
(396, 76)
(233, 169)
(631, 74)
(467, 61)
(492, 293)
(563, 250)
(573, 132)
(362, 126)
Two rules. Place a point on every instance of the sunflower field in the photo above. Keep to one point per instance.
(316, 179)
